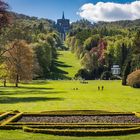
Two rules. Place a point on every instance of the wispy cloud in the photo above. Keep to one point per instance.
(110, 11)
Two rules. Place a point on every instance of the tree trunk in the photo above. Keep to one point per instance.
(4, 82)
(17, 80)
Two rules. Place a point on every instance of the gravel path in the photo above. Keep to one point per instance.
(81, 119)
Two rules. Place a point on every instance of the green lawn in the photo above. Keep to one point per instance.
(20, 135)
(60, 95)
(66, 66)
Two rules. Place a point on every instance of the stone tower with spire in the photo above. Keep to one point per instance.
(63, 26)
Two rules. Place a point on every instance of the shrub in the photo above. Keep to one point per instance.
(82, 73)
(12, 119)
(133, 79)
(4, 115)
(106, 75)
(92, 132)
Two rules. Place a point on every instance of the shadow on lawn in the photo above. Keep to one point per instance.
(57, 69)
(12, 100)
(38, 82)
(58, 73)
(61, 64)
(3, 93)
(36, 88)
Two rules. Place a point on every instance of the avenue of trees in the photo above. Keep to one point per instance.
(28, 48)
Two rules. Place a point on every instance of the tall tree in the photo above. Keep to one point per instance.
(19, 62)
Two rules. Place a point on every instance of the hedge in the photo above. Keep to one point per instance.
(14, 118)
(137, 114)
(77, 113)
(14, 127)
(68, 132)
(10, 127)
(4, 115)
(72, 129)
(82, 126)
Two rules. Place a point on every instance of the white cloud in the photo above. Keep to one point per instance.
(110, 11)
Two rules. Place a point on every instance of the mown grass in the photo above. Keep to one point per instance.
(60, 95)
(20, 135)
(66, 66)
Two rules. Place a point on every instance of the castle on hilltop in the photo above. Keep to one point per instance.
(63, 26)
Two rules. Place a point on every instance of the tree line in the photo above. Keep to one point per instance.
(100, 46)
(27, 47)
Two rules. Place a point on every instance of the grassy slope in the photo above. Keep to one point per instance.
(66, 65)
(68, 58)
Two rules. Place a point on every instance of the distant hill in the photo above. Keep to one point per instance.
(32, 21)
(121, 24)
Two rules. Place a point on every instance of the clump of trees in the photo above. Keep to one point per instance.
(102, 45)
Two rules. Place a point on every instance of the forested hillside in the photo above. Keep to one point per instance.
(101, 45)
(28, 48)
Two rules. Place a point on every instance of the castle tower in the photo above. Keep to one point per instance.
(63, 16)
(63, 26)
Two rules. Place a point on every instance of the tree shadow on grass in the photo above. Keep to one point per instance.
(57, 70)
(38, 82)
(35, 92)
(12, 100)
(35, 88)
(58, 73)
(61, 64)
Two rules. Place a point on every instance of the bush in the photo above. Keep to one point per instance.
(133, 79)
(92, 132)
(4, 115)
(106, 75)
(82, 73)
(12, 119)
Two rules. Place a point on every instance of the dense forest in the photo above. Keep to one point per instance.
(28, 48)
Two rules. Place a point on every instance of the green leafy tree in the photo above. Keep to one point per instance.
(91, 42)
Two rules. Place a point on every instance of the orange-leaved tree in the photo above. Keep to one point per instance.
(19, 61)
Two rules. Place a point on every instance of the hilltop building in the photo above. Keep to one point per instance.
(63, 26)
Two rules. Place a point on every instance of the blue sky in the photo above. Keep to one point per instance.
(52, 9)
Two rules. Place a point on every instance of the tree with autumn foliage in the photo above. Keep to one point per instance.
(19, 61)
